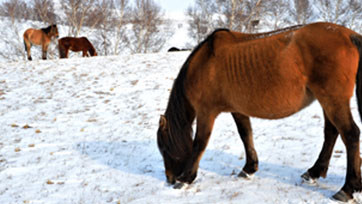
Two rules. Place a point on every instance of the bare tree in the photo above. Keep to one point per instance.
(301, 11)
(106, 22)
(38, 10)
(201, 19)
(77, 14)
(44, 11)
(232, 14)
(333, 11)
(15, 10)
(149, 30)
(354, 14)
(277, 10)
(13, 47)
(122, 9)
(239, 15)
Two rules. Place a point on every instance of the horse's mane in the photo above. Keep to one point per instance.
(48, 29)
(179, 112)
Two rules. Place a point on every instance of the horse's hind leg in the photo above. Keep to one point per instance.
(338, 111)
(204, 127)
(320, 167)
(245, 132)
(27, 45)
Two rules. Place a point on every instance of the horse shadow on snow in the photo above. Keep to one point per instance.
(143, 158)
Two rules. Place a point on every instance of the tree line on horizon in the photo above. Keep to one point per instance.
(140, 26)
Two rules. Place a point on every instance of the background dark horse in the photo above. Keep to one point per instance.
(81, 44)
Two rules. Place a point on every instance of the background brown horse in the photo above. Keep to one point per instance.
(41, 37)
(268, 75)
(75, 44)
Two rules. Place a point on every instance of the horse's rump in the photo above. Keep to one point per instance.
(33, 36)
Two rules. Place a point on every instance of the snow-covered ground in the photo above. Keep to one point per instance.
(83, 130)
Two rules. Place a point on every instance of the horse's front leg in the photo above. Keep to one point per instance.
(85, 53)
(320, 167)
(204, 127)
(66, 53)
(44, 51)
(245, 131)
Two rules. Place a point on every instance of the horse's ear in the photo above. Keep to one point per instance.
(163, 122)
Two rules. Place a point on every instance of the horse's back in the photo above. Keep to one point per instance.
(273, 75)
(86, 42)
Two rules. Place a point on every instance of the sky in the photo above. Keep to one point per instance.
(175, 5)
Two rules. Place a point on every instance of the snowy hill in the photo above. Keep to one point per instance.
(83, 130)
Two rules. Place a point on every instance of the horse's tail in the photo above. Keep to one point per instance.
(26, 49)
(357, 40)
(25, 39)
(180, 113)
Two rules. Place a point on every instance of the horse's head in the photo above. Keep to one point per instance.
(174, 163)
(54, 31)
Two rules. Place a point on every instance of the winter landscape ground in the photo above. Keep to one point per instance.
(83, 130)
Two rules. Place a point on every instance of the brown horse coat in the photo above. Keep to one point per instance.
(41, 37)
(81, 44)
(268, 75)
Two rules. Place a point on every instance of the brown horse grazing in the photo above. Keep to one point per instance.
(41, 37)
(268, 75)
(75, 44)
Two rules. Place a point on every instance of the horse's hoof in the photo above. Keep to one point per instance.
(308, 179)
(245, 175)
(171, 180)
(342, 196)
(178, 185)
(187, 177)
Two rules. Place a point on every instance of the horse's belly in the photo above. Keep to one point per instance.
(274, 104)
(276, 113)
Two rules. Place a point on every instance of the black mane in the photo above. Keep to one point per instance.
(48, 29)
(179, 112)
